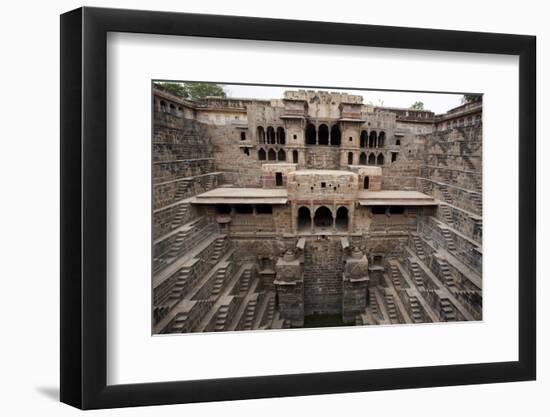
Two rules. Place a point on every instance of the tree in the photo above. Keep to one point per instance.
(193, 90)
(176, 89)
(472, 98)
(417, 105)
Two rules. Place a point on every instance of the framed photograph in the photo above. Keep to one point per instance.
(256, 208)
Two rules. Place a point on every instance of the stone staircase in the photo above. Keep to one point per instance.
(175, 247)
(448, 236)
(179, 323)
(477, 200)
(219, 280)
(270, 310)
(445, 273)
(183, 188)
(249, 314)
(221, 318)
(445, 193)
(392, 313)
(245, 281)
(446, 213)
(416, 312)
(447, 310)
(418, 249)
(180, 285)
(395, 276)
(219, 248)
(416, 274)
(179, 216)
(372, 303)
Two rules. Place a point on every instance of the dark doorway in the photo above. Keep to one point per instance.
(261, 155)
(270, 135)
(281, 135)
(372, 159)
(350, 158)
(380, 160)
(335, 136)
(295, 157)
(363, 158)
(366, 183)
(310, 135)
(323, 217)
(304, 219)
(278, 179)
(342, 219)
(271, 155)
(363, 139)
(323, 135)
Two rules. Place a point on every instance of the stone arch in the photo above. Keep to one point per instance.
(342, 219)
(350, 158)
(323, 134)
(381, 139)
(173, 109)
(295, 157)
(311, 134)
(304, 219)
(380, 160)
(372, 159)
(323, 217)
(270, 135)
(335, 135)
(363, 140)
(281, 139)
(261, 134)
(163, 106)
(363, 158)
(271, 155)
(262, 154)
(372, 139)
(281, 155)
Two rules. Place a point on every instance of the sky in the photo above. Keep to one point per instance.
(436, 102)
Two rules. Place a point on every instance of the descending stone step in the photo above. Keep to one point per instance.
(219, 280)
(446, 275)
(416, 312)
(419, 250)
(447, 310)
(179, 216)
(219, 248)
(250, 314)
(395, 276)
(392, 313)
(447, 235)
(416, 274)
(446, 212)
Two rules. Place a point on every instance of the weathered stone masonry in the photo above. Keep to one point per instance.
(267, 213)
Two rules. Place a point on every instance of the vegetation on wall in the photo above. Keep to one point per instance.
(193, 90)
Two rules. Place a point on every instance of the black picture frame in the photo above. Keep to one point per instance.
(84, 207)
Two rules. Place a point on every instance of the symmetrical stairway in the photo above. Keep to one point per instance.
(418, 247)
(221, 318)
(219, 280)
(447, 310)
(416, 274)
(219, 247)
(392, 313)
(446, 275)
(446, 212)
(249, 314)
(447, 235)
(180, 215)
(395, 276)
(416, 313)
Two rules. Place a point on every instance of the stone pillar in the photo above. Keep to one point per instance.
(289, 282)
(354, 285)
